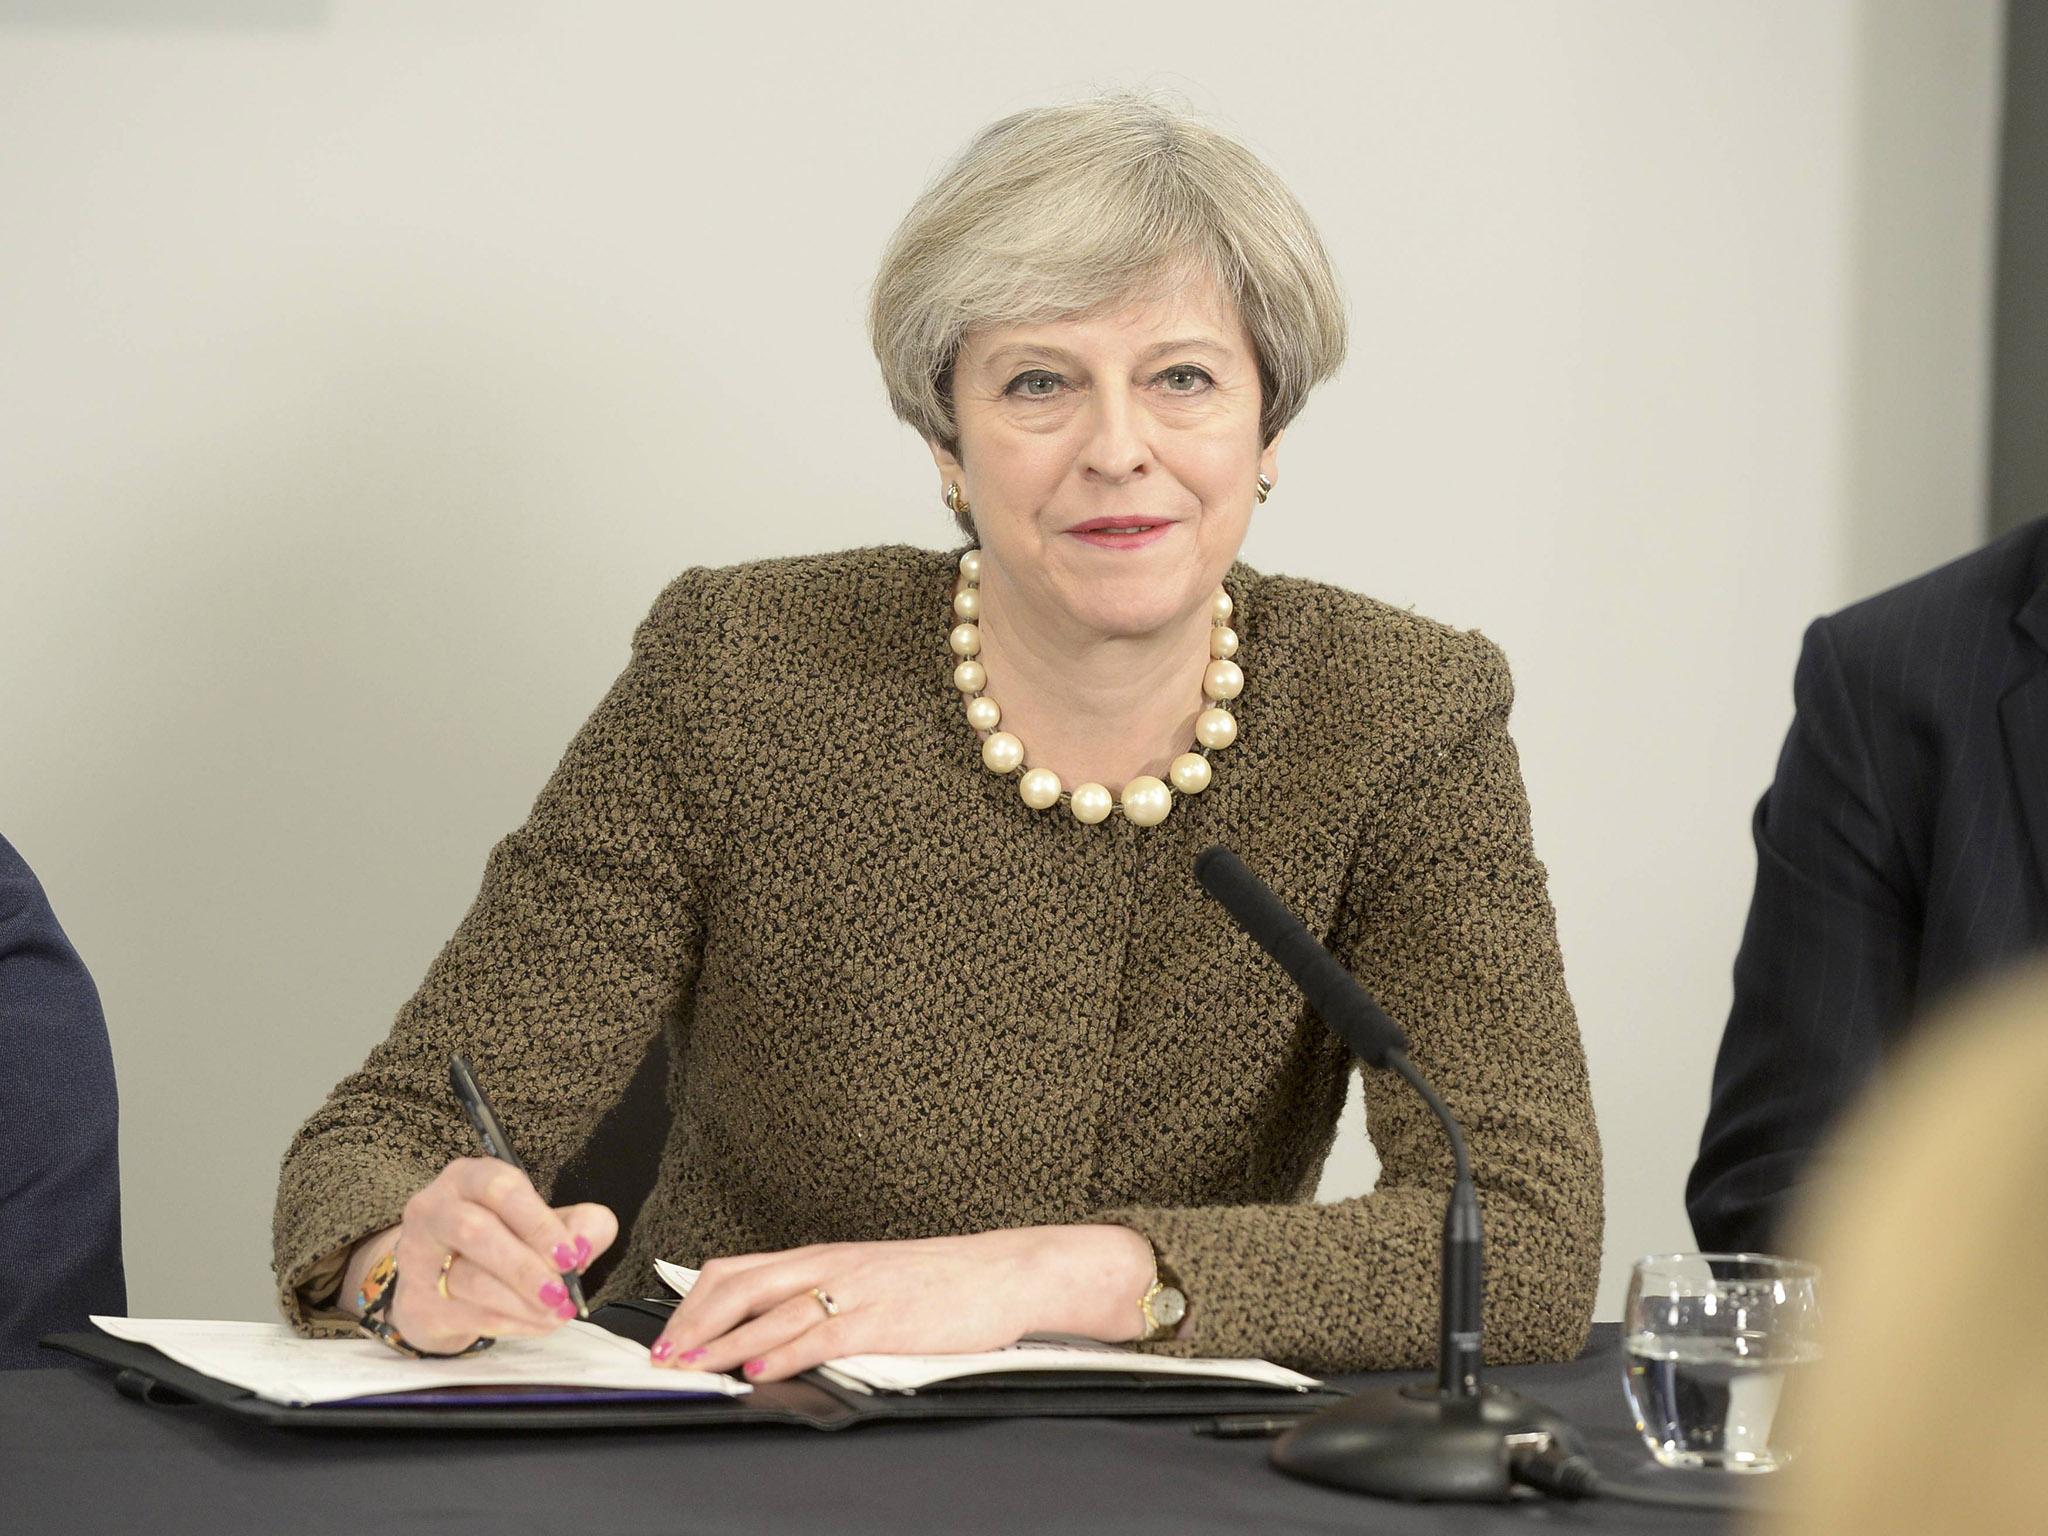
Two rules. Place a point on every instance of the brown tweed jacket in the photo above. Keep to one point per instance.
(901, 1003)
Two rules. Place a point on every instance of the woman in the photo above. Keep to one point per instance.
(960, 1050)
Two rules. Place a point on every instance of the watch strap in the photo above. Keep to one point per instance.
(373, 1301)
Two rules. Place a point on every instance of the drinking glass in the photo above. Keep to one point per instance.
(1713, 1347)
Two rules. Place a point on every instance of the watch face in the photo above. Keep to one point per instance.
(1169, 1306)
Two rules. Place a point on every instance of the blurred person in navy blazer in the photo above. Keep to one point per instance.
(60, 1181)
(1901, 853)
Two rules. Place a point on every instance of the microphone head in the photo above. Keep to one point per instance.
(1331, 990)
(1223, 875)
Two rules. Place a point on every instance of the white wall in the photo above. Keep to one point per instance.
(365, 369)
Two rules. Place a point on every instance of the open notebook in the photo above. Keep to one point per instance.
(597, 1376)
(577, 1362)
(1035, 1355)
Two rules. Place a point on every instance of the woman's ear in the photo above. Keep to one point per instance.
(948, 461)
(1269, 458)
(953, 486)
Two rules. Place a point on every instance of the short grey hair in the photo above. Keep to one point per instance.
(1067, 210)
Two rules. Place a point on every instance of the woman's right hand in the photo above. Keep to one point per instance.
(510, 1250)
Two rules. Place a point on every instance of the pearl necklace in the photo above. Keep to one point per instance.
(1145, 800)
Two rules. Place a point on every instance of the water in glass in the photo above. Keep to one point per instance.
(1714, 1347)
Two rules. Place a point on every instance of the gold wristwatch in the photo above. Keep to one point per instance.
(1163, 1305)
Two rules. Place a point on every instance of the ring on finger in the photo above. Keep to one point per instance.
(831, 1307)
(441, 1284)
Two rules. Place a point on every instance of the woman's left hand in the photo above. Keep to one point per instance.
(758, 1313)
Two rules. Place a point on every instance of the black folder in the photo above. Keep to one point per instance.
(809, 1401)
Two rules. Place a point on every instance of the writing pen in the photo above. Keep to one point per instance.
(1248, 1426)
(491, 1132)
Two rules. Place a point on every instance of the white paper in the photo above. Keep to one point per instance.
(276, 1364)
(1038, 1352)
(1042, 1352)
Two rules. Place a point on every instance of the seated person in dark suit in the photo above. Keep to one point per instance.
(1901, 851)
(60, 1182)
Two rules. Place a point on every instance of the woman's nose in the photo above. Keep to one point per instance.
(1115, 447)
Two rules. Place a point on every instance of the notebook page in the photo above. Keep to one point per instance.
(907, 1373)
(281, 1367)
(1038, 1352)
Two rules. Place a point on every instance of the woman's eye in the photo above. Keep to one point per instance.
(1025, 384)
(1185, 379)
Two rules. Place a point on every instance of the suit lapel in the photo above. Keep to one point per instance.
(2023, 715)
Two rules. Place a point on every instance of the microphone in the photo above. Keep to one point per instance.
(1337, 998)
(1452, 1441)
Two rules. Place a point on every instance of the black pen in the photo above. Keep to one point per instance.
(1248, 1426)
(470, 1094)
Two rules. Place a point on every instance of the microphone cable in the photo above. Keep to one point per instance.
(1539, 1462)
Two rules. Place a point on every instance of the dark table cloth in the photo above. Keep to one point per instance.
(76, 1456)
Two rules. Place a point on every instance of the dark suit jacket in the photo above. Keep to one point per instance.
(60, 1182)
(1900, 853)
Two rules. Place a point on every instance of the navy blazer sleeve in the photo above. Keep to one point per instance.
(60, 1201)
(1826, 972)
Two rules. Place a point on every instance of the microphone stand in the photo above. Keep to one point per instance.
(1450, 1440)
(1453, 1440)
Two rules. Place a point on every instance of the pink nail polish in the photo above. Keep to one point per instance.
(698, 1353)
(583, 1250)
(755, 1367)
(565, 1256)
(663, 1348)
(554, 1293)
(566, 1311)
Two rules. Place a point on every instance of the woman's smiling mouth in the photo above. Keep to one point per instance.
(1120, 532)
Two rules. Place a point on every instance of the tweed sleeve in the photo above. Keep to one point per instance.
(1448, 923)
(583, 939)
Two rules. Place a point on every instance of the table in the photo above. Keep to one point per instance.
(76, 1456)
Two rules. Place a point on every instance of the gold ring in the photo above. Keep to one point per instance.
(441, 1284)
(831, 1307)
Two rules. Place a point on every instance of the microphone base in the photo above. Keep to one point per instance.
(1416, 1443)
